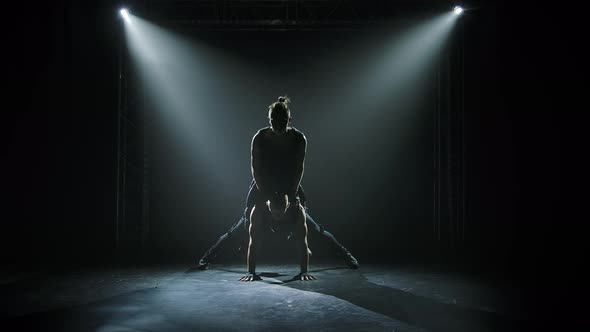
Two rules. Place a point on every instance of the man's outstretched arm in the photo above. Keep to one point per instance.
(257, 168)
(299, 165)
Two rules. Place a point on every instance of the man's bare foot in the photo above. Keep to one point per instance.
(250, 277)
(305, 277)
(351, 261)
(203, 264)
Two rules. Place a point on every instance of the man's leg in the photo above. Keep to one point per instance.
(238, 228)
(336, 246)
(339, 248)
(256, 220)
(210, 254)
(302, 247)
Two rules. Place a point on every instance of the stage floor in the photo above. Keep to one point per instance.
(176, 298)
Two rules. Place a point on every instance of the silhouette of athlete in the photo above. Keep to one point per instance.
(278, 157)
(242, 225)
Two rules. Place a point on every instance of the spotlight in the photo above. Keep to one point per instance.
(125, 13)
(458, 10)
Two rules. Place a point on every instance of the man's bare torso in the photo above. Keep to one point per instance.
(278, 156)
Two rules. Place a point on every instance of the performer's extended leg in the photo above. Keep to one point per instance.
(339, 248)
(210, 255)
(239, 227)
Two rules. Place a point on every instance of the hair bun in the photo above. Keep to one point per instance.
(284, 99)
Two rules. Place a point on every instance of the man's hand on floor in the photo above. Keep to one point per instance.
(305, 277)
(250, 277)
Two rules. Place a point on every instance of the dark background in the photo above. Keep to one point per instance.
(60, 74)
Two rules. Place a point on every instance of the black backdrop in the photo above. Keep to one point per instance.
(59, 158)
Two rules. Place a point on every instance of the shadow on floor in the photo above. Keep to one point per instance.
(412, 309)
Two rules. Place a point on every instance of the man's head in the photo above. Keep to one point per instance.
(279, 115)
(278, 205)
